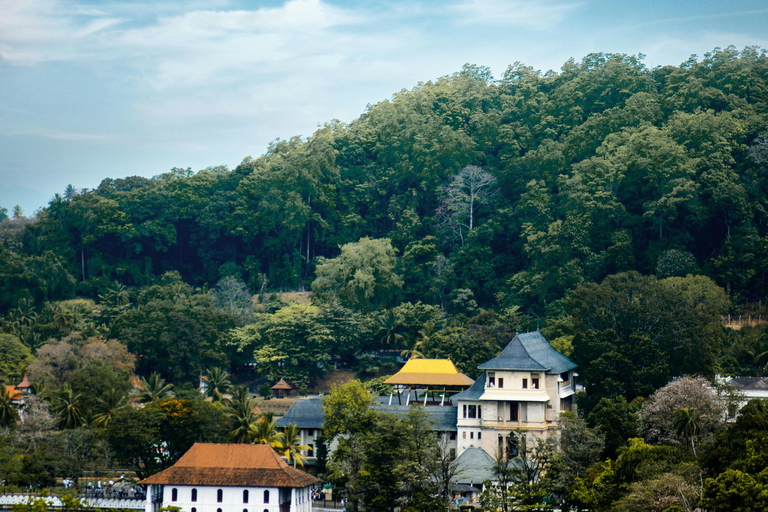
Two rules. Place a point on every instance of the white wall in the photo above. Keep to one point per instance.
(232, 499)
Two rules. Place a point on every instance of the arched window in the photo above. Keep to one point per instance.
(266, 496)
(218, 510)
(194, 497)
(174, 494)
(245, 496)
(194, 509)
(219, 495)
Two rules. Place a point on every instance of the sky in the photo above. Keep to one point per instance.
(106, 89)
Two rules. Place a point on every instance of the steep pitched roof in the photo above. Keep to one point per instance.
(474, 392)
(281, 384)
(429, 372)
(242, 465)
(24, 384)
(475, 466)
(530, 351)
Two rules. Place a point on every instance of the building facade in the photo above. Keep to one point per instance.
(230, 478)
(526, 387)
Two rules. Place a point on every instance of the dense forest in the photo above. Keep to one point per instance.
(621, 210)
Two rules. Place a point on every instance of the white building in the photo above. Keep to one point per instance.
(230, 478)
(526, 387)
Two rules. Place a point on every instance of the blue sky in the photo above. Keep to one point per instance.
(97, 89)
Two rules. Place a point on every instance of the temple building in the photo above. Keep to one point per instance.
(526, 387)
(230, 478)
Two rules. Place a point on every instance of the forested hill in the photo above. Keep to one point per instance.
(604, 167)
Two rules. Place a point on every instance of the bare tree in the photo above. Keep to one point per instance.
(471, 188)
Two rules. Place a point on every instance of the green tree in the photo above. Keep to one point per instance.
(362, 277)
(8, 413)
(15, 357)
(291, 445)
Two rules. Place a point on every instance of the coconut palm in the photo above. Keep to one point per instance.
(389, 324)
(154, 388)
(3, 213)
(8, 413)
(18, 212)
(266, 433)
(70, 192)
(108, 406)
(687, 426)
(291, 447)
(243, 418)
(69, 408)
(218, 384)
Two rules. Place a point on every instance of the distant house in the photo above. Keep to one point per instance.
(526, 387)
(747, 388)
(230, 478)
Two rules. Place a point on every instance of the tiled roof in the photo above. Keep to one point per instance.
(475, 466)
(306, 413)
(242, 465)
(474, 392)
(309, 414)
(530, 352)
(429, 372)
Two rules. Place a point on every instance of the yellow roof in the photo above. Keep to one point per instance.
(430, 372)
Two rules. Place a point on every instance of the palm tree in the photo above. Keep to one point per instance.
(687, 426)
(68, 406)
(8, 413)
(218, 384)
(18, 212)
(108, 406)
(154, 389)
(3, 213)
(266, 433)
(242, 416)
(291, 447)
(70, 192)
(388, 327)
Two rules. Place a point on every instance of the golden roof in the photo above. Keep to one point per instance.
(430, 372)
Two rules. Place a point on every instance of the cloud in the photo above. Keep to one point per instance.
(535, 15)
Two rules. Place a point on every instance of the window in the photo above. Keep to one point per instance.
(564, 377)
(463, 435)
(452, 436)
(245, 496)
(472, 411)
(310, 432)
(513, 411)
(311, 450)
(479, 434)
(491, 380)
(194, 496)
(471, 435)
(525, 383)
(194, 509)
(266, 496)
(219, 496)
(501, 382)
(535, 382)
(465, 410)
(174, 494)
(452, 455)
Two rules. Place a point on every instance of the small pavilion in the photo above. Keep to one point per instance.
(281, 389)
(430, 376)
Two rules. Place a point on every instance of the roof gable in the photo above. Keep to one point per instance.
(530, 352)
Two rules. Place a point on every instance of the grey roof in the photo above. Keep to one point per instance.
(309, 413)
(473, 392)
(443, 417)
(304, 414)
(749, 382)
(475, 466)
(530, 351)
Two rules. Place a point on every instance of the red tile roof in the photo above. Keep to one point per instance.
(241, 465)
(24, 383)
